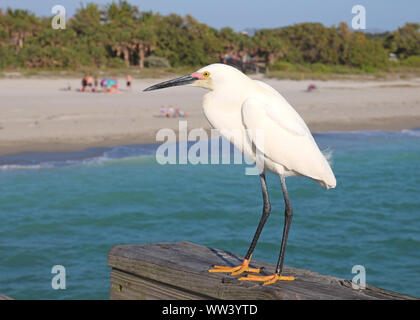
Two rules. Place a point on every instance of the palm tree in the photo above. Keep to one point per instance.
(145, 37)
(120, 25)
(270, 45)
(19, 25)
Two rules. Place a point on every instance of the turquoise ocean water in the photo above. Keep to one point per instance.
(70, 208)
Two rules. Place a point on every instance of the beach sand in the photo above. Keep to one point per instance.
(38, 115)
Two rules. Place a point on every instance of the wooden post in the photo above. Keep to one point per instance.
(180, 271)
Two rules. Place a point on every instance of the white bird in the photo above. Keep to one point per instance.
(240, 108)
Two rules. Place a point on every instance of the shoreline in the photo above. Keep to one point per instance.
(38, 115)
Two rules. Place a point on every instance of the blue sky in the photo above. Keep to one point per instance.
(380, 14)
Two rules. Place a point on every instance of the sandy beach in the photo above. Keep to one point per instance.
(39, 115)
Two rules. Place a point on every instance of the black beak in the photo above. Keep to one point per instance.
(172, 83)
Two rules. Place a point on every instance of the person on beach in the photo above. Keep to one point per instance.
(311, 87)
(95, 84)
(163, 111)
(181, 113)
(112, 85)
(84, 83)
(171, 112)
(89, 83)
(128, 80)
(104, 85)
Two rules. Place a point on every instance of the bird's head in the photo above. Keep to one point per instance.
(209, 77)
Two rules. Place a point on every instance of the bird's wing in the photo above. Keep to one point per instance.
(268, 87)
(283, 113)
(286, 140)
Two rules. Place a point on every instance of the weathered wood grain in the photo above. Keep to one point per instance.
(180, 271)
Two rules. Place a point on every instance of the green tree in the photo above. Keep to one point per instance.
(120, 34)
(17, 25)
(185, 41)
(87, 23)
(270, 45)
(313, 41)
(120, 24)
(405, 41)
(363, 53)
(144, 36)
(236, 44)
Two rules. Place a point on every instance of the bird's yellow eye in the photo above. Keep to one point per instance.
(206, 74)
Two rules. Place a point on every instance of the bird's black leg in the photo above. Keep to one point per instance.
(264, 217)
(288, 219)
(244, 267)
(288, 214)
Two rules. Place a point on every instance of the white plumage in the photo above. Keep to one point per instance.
(238, 102)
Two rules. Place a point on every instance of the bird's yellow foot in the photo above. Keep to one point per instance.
(267, 279)
(244, 267)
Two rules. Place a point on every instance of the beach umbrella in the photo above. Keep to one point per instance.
(265, 127)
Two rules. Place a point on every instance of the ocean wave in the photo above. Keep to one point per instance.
(88, 157)
(7, 167)
(372, 133)
(412, 133)
(103, 160)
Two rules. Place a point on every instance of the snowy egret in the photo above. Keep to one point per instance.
(238, 103)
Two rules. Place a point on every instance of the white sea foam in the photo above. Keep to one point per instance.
(7, 167)
(412, 133)
(113, 155)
